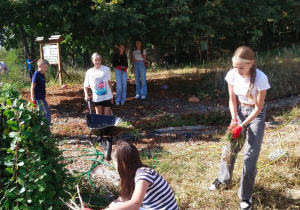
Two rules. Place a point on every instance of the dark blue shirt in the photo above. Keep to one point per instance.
(30, 65)
(40, 88)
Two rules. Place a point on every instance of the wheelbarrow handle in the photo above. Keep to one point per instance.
(89, 105)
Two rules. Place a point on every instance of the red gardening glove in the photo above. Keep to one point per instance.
(146, 63)
(233, 123)
(119, 67)
(236, 131)
(86, 209)
(34, 104)
(125, 68)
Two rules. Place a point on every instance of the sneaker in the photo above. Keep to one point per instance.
(117, 104)
(137, 96)
(246, 204)
(215, 185)
(143, 97)
(122, 103)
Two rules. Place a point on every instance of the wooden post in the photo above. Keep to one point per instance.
(41, 50)
(59, 65)
(207, 50)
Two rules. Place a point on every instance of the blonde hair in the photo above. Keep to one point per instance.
(244, 54)
(42, 61)
(95, 54)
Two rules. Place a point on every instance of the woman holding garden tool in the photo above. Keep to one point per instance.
(98, 79)
(247, 88)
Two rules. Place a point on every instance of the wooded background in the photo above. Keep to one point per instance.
(171, 30)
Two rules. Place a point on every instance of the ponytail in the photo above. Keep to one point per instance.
(252, 81)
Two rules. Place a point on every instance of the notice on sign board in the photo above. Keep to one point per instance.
(50, 53)
(204, 45)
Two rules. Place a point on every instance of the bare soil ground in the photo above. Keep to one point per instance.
(68, 110)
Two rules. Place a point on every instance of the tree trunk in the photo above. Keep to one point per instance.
(176, 53)
(155, 59)
(86, 59)
(24, 41)
(32, 44)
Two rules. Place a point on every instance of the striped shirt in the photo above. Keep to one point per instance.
(159, 194)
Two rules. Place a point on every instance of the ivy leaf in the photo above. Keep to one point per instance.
(50, 194)
(13, 124)
(22, 190)
(41, 188)
(11, 151)
(9, 113)
(9, 194)
(13, 134)
(20, 163)
(21, 182)
(6, 204)
(9, 163)
(9, 170)
(8, 102)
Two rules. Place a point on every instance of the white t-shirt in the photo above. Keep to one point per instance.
(97, 80)
(3, 68)
(137, 55)
(241, 85)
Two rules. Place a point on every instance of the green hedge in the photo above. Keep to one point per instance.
(32, 172)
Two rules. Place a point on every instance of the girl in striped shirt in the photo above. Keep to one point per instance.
(141, 187)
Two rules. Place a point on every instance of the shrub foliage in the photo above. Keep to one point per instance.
(32, 172)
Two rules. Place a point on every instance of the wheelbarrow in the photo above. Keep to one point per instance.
(104, 126)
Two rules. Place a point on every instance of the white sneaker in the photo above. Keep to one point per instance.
(215, 185)
(143, 97)
(137, 96)
(117, 104)
(246, 204)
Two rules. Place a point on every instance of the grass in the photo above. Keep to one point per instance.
(211, 118)
(190, 165)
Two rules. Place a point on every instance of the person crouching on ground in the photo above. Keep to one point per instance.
(249, 114)
(98, 79)
(120, 63)
(141, 187)
(38, 89)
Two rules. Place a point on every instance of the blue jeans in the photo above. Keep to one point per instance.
(121, 82)
(140, 78)
(44, 109)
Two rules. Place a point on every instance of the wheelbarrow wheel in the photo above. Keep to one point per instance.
(107, 149)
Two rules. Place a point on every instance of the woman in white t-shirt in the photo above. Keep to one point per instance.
(98, 79)
(248, 113)
(139, 69)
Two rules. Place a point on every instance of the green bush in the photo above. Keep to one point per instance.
(32, 172)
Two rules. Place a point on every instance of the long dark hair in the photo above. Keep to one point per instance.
(128, 159)
(142, 49)
(246, 53)
(124, 53)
